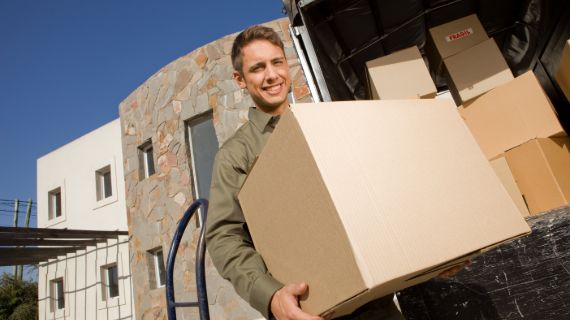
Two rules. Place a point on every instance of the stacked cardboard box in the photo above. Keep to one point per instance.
(453, 37)
(400, 75)
(504, 173)
(517, 121)
(514, 113)
(364, 198)
(471, 62)
(542, 170)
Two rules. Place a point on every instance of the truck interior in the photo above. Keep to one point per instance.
(335, 38)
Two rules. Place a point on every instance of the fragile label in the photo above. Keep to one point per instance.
(458, 35)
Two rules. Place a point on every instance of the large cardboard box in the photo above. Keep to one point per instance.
(363, 198)
(541, 168)
(453, 37)
(476, 70)
(510, 115)
(504, 173)
(563, 74)
(400, 75)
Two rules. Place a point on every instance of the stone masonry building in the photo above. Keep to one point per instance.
(168, 144)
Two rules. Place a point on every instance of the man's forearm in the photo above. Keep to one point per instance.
(237, 261)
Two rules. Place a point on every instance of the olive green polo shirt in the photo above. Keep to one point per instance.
(228, 240)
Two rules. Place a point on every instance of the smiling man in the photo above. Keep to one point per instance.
(261, 68)
(264, 72)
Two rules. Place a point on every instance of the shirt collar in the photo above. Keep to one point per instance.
(261, 119)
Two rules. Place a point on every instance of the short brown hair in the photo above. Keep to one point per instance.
(247, 36)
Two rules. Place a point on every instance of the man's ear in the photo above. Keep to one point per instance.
(238, 78)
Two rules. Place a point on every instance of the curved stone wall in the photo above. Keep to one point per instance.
(158, 110)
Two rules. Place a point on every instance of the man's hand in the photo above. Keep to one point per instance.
(285, 303)
(454, 270)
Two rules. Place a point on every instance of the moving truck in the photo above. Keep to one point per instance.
(335, 39)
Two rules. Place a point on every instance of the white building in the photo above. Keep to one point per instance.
(81, 186)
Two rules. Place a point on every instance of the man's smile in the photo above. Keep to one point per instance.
(273, 89)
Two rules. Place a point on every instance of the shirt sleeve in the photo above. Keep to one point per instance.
(228, 240)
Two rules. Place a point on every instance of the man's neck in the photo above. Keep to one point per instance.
(277, 111)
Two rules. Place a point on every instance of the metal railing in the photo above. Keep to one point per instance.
(202, 302)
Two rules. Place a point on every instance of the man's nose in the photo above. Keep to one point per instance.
(271, 73)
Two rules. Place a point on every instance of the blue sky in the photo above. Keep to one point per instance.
(65, 65)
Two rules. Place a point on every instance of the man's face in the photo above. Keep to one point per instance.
(265, 75)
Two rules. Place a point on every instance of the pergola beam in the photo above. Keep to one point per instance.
(23, 246)
(50, 242)
(16, 232)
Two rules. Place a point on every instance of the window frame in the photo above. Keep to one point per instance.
(55, 203)
(157, 261)
(99, 170)
(106, 291)
(197, 119)
(146, 153)
(123, 279)
(102, 183)
(57, 294)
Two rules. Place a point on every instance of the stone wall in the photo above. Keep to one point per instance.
(158, 110)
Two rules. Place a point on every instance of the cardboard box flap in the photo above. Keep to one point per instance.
(303, 217)
(541, 122)
(504, 174)
(384, 162)
(557, 153)
(510, 115)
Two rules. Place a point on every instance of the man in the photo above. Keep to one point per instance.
(260, 67)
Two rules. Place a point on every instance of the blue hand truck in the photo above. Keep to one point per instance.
(202, 302)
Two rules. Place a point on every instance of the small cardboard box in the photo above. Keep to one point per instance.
(363, 198)
(541, 168)
(504, 173)
(400, 75)
(453, 37)
(476, 70)
(563, 74)
(510, 115)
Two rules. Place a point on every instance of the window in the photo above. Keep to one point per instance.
(157, 270)
(54, 203)
(146, 159)
(57, 295)
(103, 181)
(203, 147)
(110, 281)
